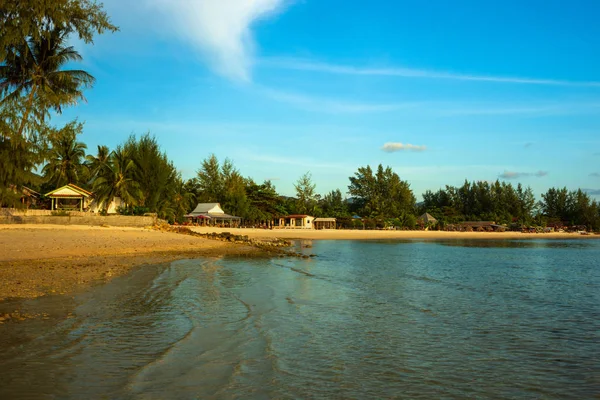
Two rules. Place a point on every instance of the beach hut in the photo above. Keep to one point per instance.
(428, 219)
(324, 223)
(69, 197)
(297, 221)
(212, 214)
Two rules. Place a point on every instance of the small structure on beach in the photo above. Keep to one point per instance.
(211, 214)
(324, 223)
(428, 219)
(297, 221)
(69, 197)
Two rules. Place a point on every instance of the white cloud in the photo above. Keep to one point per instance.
(517, 175)
(220, 29)
(393, 147)
(307, 65)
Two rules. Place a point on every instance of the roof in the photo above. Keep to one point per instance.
(297, 216)
(214, 208)
(30, 192)
(325, 219)
(69, 190)
(427, 218)
(211, 216)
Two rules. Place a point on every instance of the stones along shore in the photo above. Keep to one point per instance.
(273, 246)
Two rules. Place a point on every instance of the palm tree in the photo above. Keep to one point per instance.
(65, 157)
(181, 199)
(116, 180)
(96, 164)
(32, 76)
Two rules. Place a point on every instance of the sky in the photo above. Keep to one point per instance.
(441, 91)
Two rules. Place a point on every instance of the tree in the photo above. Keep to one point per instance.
(181, 199)
(116, 180)
(96, 164)
(31, 18)
(210, 180)
(382, 195)
(154, 173)
(334, 205)
(305, 194)
(31, 75)
(65, 159)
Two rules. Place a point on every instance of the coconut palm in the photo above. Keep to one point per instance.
(181, 199)
(96, 164)
(115, 180)
(65, 156)
(32, 76)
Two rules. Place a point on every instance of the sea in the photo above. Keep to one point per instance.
(482, 319)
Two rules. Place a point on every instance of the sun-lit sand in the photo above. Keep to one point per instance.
(43, 259)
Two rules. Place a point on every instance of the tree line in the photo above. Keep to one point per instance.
(36, 83)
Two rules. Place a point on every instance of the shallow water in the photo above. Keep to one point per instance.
(389, 319)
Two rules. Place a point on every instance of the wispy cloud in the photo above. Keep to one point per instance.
(595, 174)
(517, 175)
(528, 145)
(335, 106)
(220, 29)
(432, 108)
(593, 192)
(314, 66)
(392, 147)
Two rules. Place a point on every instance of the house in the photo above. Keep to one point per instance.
(297, 221)
(324, 223)
(97, 207)
(212, 214)
(69, 197)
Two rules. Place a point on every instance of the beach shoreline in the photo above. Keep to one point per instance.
(37, 260)
(351, 234)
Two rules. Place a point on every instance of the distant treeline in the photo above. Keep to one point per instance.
(139, 173)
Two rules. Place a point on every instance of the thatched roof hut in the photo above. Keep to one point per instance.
(428, 219)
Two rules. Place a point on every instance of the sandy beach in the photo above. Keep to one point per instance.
(339, 234)
(46, 259)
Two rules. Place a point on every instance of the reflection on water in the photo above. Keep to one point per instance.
(362, 320)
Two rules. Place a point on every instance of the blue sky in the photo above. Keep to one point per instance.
(441, 91)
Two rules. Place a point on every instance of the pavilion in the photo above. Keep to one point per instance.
(324, 223)
(212, 214)
(69, 197)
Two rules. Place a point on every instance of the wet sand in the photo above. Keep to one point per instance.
(341, 234)
(36, 260)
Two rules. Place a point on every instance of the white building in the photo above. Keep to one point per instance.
(297, 221)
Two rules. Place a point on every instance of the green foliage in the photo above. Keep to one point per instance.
(32, 18)
(154, 173)
(571, 208)
(115, 179)
(381, 195)
(65, 157)
(305, 193)
(498, 202)
(334, 205)
(34, 54)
